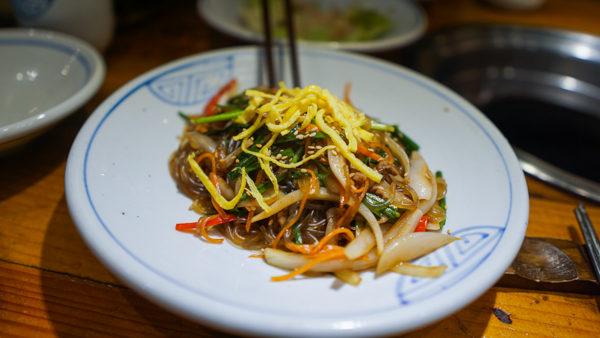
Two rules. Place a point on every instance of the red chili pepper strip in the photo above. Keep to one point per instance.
(422, 225)
(186, 227)
(211, 106)
(217, 220)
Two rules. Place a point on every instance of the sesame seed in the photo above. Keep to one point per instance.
(237, 160)
(278, 156)
(300, 137)
(313, 134)
(319, 147)
(258, 145)
(296, 132)
(303, 170)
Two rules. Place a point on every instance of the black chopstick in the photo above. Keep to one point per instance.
(591, 240)
(268, 43)
(291, 35)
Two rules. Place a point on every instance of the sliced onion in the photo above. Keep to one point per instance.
(411, 246)
(420, 177)
(399, 153)
(330, 215)
(373, 224)
(362, 244)
(414, 270)
(436, 214)
(228, 160)
(224, 188)
(348, 277)
(425, 206)
(441, 187)
(404, 225)
(338, 167)
(289, 261)
(433, 227)
(291, 198)
(201, 142)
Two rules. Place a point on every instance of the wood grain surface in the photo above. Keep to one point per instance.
(52, 285)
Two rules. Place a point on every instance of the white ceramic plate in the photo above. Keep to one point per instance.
(407, 19)
(125, 204)
(44, 77)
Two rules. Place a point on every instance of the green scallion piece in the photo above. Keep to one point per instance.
(230, 115)
(296, 234)
(382, 127)
(406, 141)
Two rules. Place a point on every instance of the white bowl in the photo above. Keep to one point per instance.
(408, 22)
(125, 204)
(44, 77)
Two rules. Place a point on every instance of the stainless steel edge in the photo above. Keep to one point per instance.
(558, 177)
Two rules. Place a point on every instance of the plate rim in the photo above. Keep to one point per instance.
(377, 45)
(340, 327)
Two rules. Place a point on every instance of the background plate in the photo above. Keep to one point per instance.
(408, 23)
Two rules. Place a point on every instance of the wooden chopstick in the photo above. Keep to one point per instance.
(291, 35)
(268, 43)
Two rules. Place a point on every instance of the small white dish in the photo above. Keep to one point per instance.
(44, 76)
(408, 22)
(125, 203)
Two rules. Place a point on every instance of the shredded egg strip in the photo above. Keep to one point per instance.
(281, 112)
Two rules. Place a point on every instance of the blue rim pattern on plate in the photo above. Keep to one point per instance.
(492, 234)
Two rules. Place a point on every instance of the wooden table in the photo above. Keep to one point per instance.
(51, 285)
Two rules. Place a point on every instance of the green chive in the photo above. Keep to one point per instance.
(213, 118)
(382, 127)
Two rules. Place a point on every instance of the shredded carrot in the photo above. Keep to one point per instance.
(353, 208)
(343, 195)
(217, 207)
(317, 248)
(204, 233)
(213, 178)
(249, 219)
(325, 256)
(370, 154)
(312, 188)
(388, 154)
(299, 248)
(211, 157)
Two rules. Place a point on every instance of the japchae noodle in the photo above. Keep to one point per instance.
(311, 181)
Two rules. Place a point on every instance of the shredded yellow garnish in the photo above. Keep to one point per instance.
(247, 132)
(212, 190)
(317, 154)
(266, 167)
(257, 195)
(294, 109)
(345, 151)
(291, 107)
